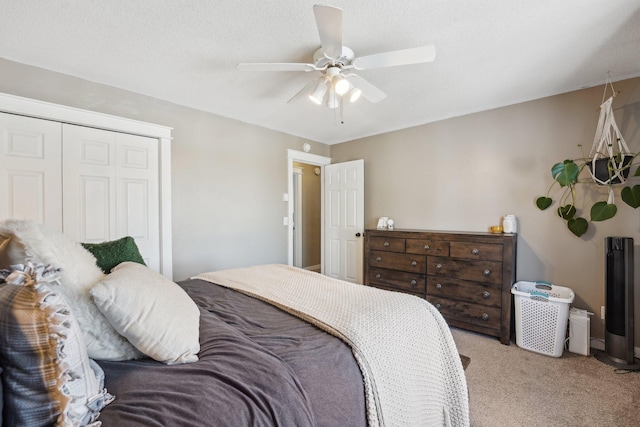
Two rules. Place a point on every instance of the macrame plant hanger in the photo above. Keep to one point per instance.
(609, 147)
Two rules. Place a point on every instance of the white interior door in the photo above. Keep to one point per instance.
(344, 220)
(111, 181)
(31, 170)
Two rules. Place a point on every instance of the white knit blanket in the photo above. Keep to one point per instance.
(411, 369)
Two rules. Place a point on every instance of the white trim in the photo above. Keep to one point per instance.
(166, 229)
(13, 104)
(311, 159)
(61, 113)
(297, 217)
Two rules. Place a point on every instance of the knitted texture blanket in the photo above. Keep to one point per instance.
(409, 362)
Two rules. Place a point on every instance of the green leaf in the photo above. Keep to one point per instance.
(637, 172)
(543, 202)
(631, 196)
(602, 211)
(578, 226)
(566, 211)
(565, 173)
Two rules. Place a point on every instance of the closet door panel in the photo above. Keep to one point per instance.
(30, 170)
(95, 198)
(113, 180)
(137, 178)
(89, 184)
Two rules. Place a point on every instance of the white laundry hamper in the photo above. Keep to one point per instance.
(541, 314)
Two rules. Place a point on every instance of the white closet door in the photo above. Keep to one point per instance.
(30, 170)
(137, 194)
(111, 181)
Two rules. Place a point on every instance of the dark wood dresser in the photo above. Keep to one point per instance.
(467, 276)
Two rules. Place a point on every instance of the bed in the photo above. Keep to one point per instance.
(273, 345)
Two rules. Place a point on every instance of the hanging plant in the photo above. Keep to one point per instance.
(566, 176)
(609, 164)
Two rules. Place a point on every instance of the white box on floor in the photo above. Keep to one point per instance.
(579, 331)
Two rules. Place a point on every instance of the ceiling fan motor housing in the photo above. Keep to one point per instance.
(321, 61)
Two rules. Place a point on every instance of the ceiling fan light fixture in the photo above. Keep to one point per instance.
(354, 95)
(318, 93)
(341, 85)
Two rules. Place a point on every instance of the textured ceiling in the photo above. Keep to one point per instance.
(490, 53)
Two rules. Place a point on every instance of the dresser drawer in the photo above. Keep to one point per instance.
(476, 314)
(394, 261)
(463, 290)
(428, 247)
(480, 271)
(389, 244)
(400, 280)
(480, 251)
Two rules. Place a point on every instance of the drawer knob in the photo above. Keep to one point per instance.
(485, 294)
(485, 316)
(379, 259)
(426, 247)
(386, 243)
(378, 276)
(438, 286)
(413, 283)
(487, 272)
(475, 251)
(414, 263)
(439, 267)
(438, 306)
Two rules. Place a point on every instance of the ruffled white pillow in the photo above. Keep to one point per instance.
(151, 311)
(26, 240)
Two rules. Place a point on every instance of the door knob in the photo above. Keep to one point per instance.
(358, 234)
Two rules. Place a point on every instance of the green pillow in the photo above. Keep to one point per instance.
(109, 254)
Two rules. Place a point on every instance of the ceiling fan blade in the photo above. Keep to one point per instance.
(417, 55)
(329, 22)
(276, 66)
(369, 91)
(305, 91)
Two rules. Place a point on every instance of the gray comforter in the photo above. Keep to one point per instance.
(259, 366)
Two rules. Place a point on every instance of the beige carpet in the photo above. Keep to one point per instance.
(510, 386)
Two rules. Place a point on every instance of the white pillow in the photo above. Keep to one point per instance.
(151, 311)
(26, 240)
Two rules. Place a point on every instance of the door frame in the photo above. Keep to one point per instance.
(13, 104)
(297, 216)
(311, 159)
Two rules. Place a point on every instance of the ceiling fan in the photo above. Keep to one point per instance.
(337, 62)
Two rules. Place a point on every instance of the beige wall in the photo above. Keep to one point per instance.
(466, 173)
(228, 177)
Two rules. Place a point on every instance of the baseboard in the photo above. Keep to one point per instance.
(598, 344)
(313, 267)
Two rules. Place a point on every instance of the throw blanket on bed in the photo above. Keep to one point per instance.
(410, 365)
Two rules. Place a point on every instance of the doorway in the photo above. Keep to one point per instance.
(311, 167)
(307, 209)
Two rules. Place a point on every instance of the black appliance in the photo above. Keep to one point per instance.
(619, 311)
